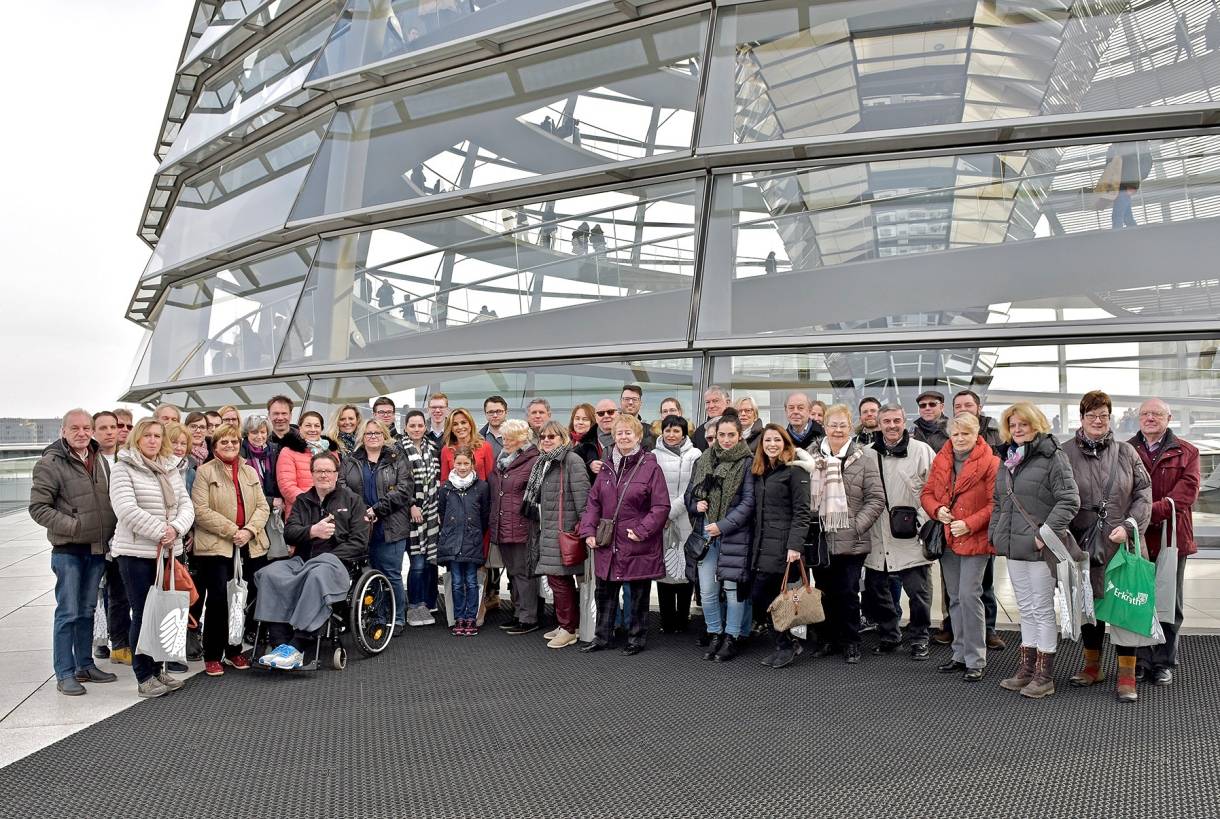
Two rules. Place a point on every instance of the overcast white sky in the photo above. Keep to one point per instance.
(83, 84)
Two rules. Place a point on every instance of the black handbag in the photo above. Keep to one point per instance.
(817, 550)
(932, 534)
(697, 543)
(904, 520)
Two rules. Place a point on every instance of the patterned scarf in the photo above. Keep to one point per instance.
(320, 445)
(1090, 447)
(259, 459)
(718, 476)
(829, 496)
(533, 487)
(347, 442)
(200, 453)
(1016, 454)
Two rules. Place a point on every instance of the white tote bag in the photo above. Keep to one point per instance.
(1167, 567)
(163, 626)
(237, 592)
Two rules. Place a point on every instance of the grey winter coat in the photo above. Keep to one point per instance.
(865, 500)
(546, 530)
(1130, 497)
(395, 488)
(69, 502)
(1047, 490)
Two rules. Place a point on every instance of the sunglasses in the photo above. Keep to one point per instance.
(125, 426)
(928, 404)
(550, 436)
(604, 413)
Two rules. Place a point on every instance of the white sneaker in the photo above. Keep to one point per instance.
(289, 661)
(562, 638)
(280, 651)
(550, 635)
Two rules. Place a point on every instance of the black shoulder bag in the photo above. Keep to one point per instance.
(903, 519)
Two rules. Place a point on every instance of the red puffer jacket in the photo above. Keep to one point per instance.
(1175, 474)
(971, 495)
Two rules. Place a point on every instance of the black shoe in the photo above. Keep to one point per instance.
(1141, 673)
(867, 625)
(919, 651)
(973, 675)
(886, 647)
(769, 660)
(524, 628)
(509, 624)
(705, 639)
(728, 649)
(70, 686)
(194, 646)
(713, 646)
(594, 646)
(784, 657)
(851, 654)
(951, 667)
(398, 627)
(631, 649)
(101, 652)
(826, 650)
(1162, 676)
(177, 668)
(95, 674)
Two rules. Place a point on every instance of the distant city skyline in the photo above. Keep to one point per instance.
(89, 111)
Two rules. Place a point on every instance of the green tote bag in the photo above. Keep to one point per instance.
(1129, 599)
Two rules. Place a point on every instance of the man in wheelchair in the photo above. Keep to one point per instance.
(327, 539)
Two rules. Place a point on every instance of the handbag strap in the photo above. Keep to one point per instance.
(804, 575)
(237, 563)
(162, 568)
(1169, 526)
(623, 495)
(562, 480)
(884, 492)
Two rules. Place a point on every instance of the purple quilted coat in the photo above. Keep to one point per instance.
(645, 510)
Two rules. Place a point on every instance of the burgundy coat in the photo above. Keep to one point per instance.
(1175, 474)
(645, 510)
(506, 525)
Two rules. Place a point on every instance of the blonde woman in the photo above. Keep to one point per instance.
(345, 429)
(1034, 488)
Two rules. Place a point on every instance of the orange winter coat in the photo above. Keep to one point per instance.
(971, 495)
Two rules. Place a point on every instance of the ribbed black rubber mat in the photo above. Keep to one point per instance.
(500, 726)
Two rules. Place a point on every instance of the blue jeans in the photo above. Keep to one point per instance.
(421, 582)
(624, 610)
(709, 593)
(387, 559)
(465, 589)
(139, 574)
(76, 581)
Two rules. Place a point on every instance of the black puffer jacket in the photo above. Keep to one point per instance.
(1044, 484)
(395, 488)
(464, 515)
(736, 530)
(350, 542)
(781, 516)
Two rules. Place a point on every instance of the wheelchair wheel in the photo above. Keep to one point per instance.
(371, 614)
(338, 658)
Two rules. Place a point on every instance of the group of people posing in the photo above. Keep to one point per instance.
(725, 512)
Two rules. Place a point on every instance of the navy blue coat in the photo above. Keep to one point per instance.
(736, 531)
(463, 514)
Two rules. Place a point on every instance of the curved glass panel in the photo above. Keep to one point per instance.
(243, 197)
(626, 96)
(586, 270)
(261, 78)
(373, 31)
(563, 385)
(799, 70)
(1098, 233)
(1186, 374)
(230, 321)
(250, 398)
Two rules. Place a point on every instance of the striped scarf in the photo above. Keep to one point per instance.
(426, 472)
(829, 496)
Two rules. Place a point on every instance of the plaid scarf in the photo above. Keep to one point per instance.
(826, 486)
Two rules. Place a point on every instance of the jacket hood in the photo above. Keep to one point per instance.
(294, 441)
(1044, 445)
(132, 459)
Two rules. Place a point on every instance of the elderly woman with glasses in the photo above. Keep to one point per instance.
(381, 476)
(509, 525)
(1114, 490)
(260, 452)
(557, 488)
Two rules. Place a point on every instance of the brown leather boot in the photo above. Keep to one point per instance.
(1091, 673)
(1024, 672)
(1126, 679)
(1043, 683)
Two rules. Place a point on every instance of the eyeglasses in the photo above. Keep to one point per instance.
(1152, 414)
(493, 412)
(372, 435)
(1097, 416)
(838, 426)
(604, 413)
(386, 412)
(198, 426)
(324, 472)
(550, 436)
(929, 404)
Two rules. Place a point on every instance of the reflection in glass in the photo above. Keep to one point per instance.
(263, 77)
(250, 397)
(1185, 374)
(1077, 233)
(230, 321)
(563, 385)
(604, 267)
(372, 31)
(799, 70)
(244, 196)
(621, 97)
